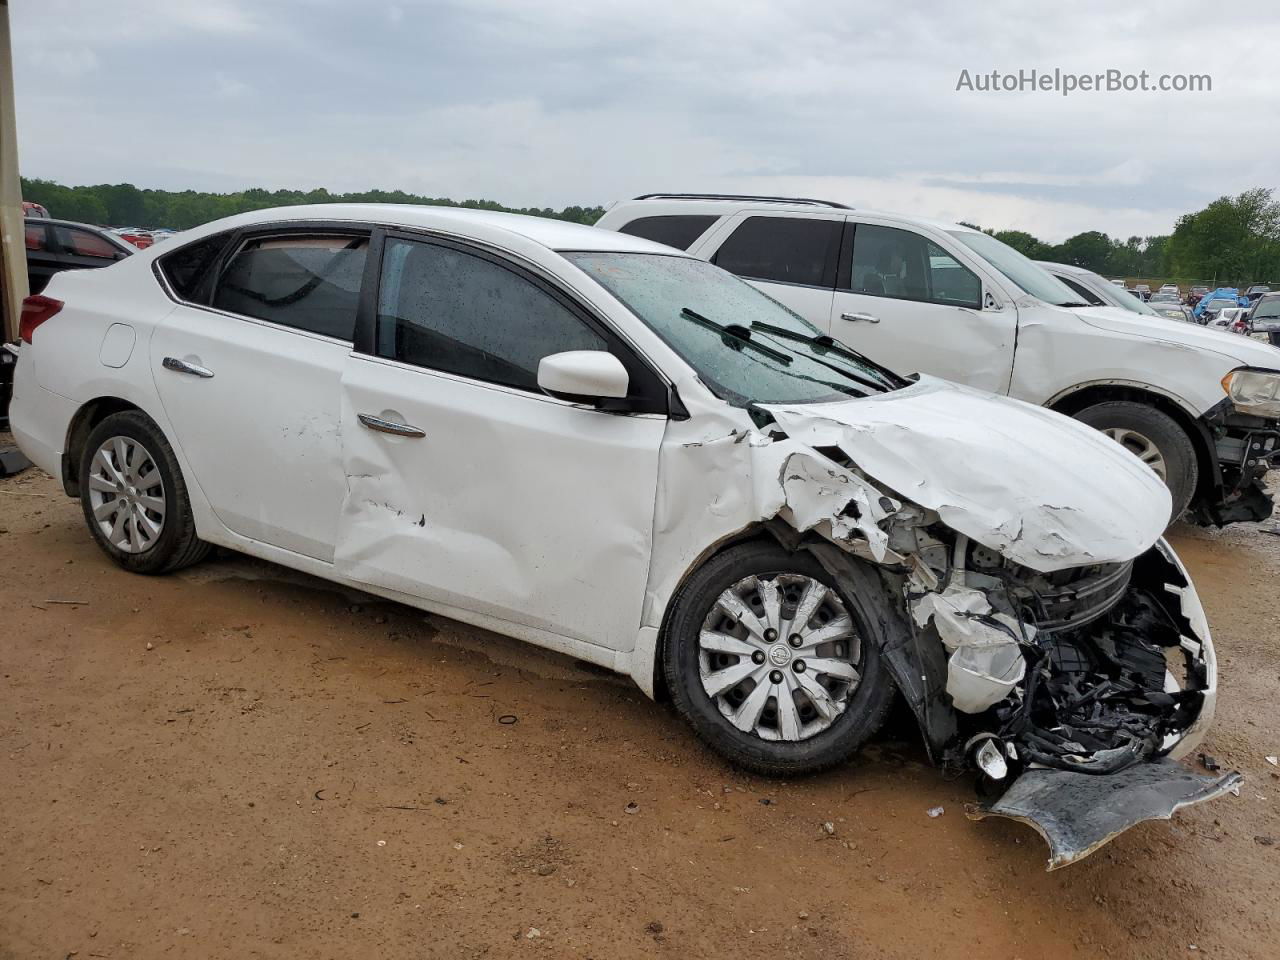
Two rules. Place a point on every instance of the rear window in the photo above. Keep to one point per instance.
(308, 282)
(83, 243)
(783, 250)
(186, 268)
(679, 231)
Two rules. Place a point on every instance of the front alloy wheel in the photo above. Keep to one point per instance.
(779, 656)
(774, 666)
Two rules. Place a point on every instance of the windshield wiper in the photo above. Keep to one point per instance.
(831, 345)
(738, 333)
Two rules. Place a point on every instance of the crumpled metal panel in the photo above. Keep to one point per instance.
(1031, 484)
(1077, 813)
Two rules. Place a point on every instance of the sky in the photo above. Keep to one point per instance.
(551, 102)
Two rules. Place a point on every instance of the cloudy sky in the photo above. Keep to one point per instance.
(553, 102)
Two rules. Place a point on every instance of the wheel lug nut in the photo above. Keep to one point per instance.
(757, 657)
(798, 666)
(771, 634)
(794, 640)
(776, 676)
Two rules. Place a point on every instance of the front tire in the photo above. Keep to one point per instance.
(134, 500)
(772, 664)
(1156, 439)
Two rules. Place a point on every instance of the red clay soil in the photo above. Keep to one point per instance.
(239, 761)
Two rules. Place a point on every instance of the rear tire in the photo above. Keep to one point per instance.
(134, 500)
(1154, 437)
(820, 730)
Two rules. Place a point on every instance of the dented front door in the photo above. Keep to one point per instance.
(503, 502)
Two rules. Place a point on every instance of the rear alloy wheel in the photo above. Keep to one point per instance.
(126, 494)
(1153, 437)
(774, 667)
(133, 497)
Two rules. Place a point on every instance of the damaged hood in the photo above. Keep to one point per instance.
(1230, 346)
(1045, 491)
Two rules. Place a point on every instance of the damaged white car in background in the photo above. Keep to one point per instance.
(597, 444)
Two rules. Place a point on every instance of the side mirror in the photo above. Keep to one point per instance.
(989, 302)
(583, 376)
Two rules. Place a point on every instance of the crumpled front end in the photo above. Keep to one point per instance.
(1038, 646)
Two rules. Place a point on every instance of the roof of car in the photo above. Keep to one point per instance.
(1068, 268)
(65, 223)
(554, 234)
(723, 204)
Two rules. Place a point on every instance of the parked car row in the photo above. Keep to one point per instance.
(621, 451)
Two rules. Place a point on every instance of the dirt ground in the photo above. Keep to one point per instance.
(238, 761)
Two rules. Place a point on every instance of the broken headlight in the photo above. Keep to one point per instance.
(1255, 392)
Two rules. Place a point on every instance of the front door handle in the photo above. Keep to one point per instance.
(388, 426)
(859, 316)
(182, 366)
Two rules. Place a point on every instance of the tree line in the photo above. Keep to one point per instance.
(1234, 240)
(124, 205)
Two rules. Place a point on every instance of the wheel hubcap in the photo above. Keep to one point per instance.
(1140, 446)
(126, 494)
(779, 691)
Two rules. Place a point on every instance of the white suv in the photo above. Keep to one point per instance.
(1201, 407)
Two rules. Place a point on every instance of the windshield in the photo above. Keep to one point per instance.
(1221, 304)
(1028, 275)
(727, 339)
(1267, 308)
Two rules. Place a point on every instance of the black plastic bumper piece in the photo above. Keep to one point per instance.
(1077, 813)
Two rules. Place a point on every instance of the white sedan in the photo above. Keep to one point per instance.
(606, 447)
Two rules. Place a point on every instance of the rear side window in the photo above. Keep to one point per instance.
(186, 268)
(903, 265)
(783, 249)
(451, 311)
(82, 243)
(308, 282)
(679, 231)
(37, 237)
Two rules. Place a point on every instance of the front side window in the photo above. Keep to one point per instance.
(888, 262)
(744, 345)
(82, 243)
(447, 310)
(303, 281)
(679, 231)
(783, 250)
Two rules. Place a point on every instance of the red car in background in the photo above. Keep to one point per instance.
(138, 237)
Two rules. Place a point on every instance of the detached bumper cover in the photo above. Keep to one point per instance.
(1077, 813)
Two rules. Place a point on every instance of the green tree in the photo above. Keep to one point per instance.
(1232, 240)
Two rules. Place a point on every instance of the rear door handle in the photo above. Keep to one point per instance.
(859, 316)
(182, 366)
(388, 426)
